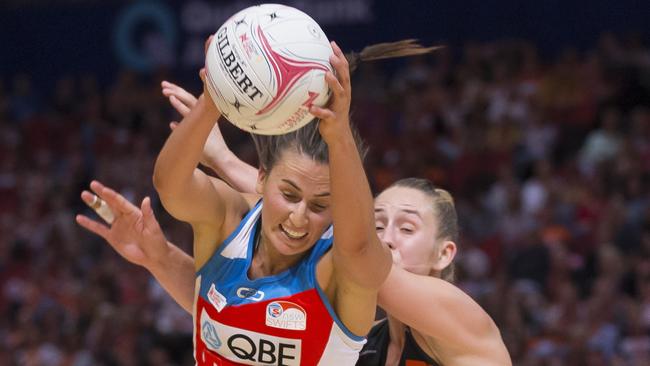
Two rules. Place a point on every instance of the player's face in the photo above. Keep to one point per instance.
(406, 222)
(296, 208)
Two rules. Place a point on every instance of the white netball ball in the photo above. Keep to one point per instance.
(266, 66)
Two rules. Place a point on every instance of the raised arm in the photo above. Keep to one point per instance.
(216, 154)
(136, 235)
(446, 314)
(185, 191)
(357, 248)
(211, 206)
(360, 261)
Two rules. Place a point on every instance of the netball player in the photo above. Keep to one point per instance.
(275, 286)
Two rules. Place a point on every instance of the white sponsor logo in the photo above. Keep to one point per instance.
(251, 348)
(216, 298)
(286, 315)
(250, 293)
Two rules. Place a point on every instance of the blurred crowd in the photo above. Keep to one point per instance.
(548, 161)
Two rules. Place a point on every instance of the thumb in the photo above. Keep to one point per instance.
(207, 43)
(323, 114)
(173, 125)
(150, 222)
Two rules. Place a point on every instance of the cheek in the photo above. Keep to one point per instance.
(275, 207)
(415, 249)
(320, 222)
(275, 202)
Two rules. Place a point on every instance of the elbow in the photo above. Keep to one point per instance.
(485, 331)
(189, 308)
(361, 247)
(162, 182)
(158, 179)
(495, 348)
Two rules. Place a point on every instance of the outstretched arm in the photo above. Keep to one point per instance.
(136, 235)
(216, 154)
(444, 313)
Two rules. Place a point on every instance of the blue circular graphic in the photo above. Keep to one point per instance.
(147, 12)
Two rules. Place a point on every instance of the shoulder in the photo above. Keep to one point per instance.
(209, 237)
(251, 199)
(240, 213)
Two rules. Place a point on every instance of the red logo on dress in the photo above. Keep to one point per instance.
(286, 315)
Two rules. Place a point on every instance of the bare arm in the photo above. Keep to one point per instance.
(237, 173)
(185, 191)
(360, 261)
(176, 274)
(442, 311)
(216, 154)
(357, 248)
(210, 206)
(136, 235)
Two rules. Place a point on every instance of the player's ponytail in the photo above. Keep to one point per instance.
(403, 48)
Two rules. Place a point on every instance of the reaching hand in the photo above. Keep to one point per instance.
(215, 146)
(203, 74)
(335, 118)
(135, 233)
(179, 98)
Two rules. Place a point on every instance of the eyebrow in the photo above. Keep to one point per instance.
(405, 210)
(414, 212)
(295, 186)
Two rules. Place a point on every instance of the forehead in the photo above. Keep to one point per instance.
(302, 170)
(404, 198)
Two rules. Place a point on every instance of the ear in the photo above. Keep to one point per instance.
(261, 178)
(445, 255)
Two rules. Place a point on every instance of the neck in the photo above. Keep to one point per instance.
(268, 262)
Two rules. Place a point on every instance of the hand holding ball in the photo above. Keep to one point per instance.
(265, 67)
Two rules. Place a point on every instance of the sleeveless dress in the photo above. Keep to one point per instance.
(375, 351)
(284, 319)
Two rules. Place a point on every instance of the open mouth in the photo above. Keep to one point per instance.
(295, 235)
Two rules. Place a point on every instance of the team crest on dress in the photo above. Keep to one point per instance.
(286, 315)
(216, 298)
(210, 335)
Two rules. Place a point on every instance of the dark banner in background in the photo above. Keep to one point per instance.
(50, 38)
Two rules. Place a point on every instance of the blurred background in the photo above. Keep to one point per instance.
(536, 117)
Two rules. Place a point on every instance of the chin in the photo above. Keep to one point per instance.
(287, 250)
(288, 247)
(415, 269)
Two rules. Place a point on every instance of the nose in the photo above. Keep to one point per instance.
(298, 216)
(388, 237)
